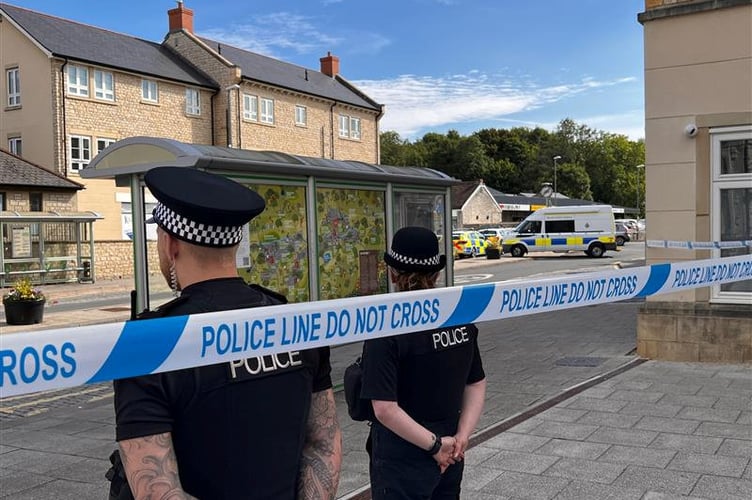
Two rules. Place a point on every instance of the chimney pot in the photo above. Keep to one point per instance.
(180, 18)
(330, 65)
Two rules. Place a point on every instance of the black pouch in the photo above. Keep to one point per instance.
(119, 488)
(358, 408)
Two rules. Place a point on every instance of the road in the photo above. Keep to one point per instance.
(533, 266)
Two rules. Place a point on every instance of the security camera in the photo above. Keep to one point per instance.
(690, 130)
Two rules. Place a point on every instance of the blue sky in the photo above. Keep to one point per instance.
(436, 64)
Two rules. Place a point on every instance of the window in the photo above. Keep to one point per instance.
(349, 127)
(104, 85)
(192, 102)
(560, 226)
(267, 110)
(102, 143)
(530, 227)
(35, 202)
(14, 86)
(731, 160)
(250, 107)
(149, 91)
(79, 152)
(301, 115)
(354, 128)
(14, 146)
(78, 80)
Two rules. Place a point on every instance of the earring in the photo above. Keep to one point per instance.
(174, 280)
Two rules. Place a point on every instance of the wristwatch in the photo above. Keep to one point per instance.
(434, 449)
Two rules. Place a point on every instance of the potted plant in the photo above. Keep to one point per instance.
(24, 304)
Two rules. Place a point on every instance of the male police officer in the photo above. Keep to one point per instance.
(230, 430)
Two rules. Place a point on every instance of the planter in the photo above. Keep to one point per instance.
(23, 312)
(493, 253)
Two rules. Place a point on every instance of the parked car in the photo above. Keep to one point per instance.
(496, 232)
(622, 233)
(469, 243)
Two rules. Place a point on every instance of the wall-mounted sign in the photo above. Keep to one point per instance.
(21, 242)
(514, 206)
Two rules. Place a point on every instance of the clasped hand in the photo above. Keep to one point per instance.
(452, 451)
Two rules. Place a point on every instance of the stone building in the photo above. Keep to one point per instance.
(72, 89)
(698, 145)
(474, 207)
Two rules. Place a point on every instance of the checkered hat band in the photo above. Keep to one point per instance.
(431, 261)
(196, 232)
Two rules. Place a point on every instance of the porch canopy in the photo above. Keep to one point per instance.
(47, 247)
(343, 205)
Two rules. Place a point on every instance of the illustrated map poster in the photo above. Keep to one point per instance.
(351, 242)
(278, 244)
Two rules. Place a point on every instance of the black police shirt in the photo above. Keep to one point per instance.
(238, 428)
(424, 372)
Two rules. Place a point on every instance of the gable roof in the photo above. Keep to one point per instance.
(15, 171)
(84, 43)
(290, 76)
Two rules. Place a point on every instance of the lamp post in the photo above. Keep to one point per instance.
(637, 188)
(556, 158)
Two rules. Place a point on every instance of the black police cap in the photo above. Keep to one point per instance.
(201, 208)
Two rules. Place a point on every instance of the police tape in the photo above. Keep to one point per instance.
(699, 245)
(54, 359)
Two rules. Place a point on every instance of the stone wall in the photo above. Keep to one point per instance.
(716, 333)
(114, 259)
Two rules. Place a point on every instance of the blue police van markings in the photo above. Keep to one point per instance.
(658, 276)
(473, 301)
(558, 241)
(53, 359)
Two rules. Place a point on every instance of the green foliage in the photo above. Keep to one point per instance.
(594, 165)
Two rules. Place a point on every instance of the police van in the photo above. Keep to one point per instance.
(589, 228)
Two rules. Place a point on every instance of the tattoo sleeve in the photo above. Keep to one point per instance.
(152, 468)
(322, 452)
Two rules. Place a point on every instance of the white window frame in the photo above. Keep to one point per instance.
(13, 81)
(15, 145)
(149, 90)
(719, 183)
(103, 142)
(354, 128)
(78, 80)
(344, 126)
(104, 85)
(301, 116)
(192, 101)
(82, 155)
(250, 107)
(266, 114)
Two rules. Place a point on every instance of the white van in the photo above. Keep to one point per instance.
(589, 228)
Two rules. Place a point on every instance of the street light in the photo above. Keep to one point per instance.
(637, 188)
(556, 158)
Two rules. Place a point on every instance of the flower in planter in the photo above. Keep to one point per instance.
(23, 290)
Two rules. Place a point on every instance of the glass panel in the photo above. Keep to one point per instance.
(278, 240)
(351, 241)
(736, 225)
(424, 210)
(736, 157)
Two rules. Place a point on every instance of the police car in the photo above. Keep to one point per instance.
(468, 244)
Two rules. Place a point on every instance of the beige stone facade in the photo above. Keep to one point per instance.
(698, 72)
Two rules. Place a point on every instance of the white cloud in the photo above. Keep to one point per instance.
(414, 103)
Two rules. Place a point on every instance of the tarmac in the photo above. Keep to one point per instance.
(571, 413)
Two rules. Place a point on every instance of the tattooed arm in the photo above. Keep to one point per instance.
(152, 468)
(322, 451)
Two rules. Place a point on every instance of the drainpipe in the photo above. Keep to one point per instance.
(211, 117)
(65, 142)
(331, 125)
(378, 140)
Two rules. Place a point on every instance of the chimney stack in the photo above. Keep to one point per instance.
(330, 65)
(180, 18)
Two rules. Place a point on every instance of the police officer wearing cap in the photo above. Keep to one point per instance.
(427, 389)
(261, 427)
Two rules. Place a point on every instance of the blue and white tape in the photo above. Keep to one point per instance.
(53, 359)
(699, 245)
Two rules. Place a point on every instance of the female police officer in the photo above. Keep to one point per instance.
(229, 430)
(427, 389)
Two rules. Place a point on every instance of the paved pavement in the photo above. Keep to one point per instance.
(570, 413)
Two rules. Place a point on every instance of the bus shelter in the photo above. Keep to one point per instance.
(326, 223)
(47, 247)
